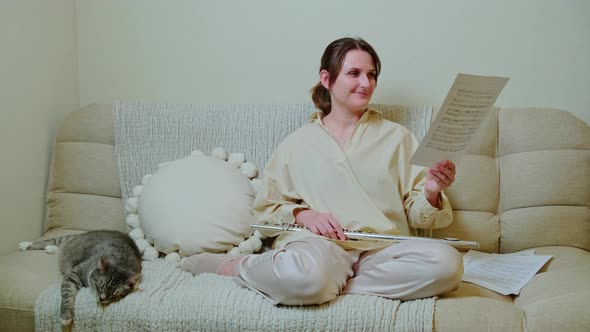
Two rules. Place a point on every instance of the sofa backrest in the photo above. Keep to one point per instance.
(149, 134)
(544, 161)
(523, 183)
(474, 195)
(83, 191)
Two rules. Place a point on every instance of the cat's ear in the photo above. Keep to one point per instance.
(103, 264)
(134, 280)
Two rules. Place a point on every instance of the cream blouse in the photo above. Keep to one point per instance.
(368, 185)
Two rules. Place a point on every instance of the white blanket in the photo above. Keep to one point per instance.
(173, 300)
(147, 134)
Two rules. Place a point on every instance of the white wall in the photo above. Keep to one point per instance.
(268, 50)
(38, 86)
(59, 54)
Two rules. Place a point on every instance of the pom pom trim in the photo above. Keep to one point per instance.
(145, 246)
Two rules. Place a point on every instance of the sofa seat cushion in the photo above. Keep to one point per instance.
(467, 289)
(558, 298)
(31, 271)
(566, 312)
(23, 276)
(477, 314)
(564, 258)
(567, 272)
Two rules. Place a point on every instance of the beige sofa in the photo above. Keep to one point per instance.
(525, 183)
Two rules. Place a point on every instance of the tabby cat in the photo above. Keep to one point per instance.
(106, 261)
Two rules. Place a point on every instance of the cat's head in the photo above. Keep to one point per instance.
(112, 283)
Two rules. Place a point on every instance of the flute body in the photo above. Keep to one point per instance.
(363, 236)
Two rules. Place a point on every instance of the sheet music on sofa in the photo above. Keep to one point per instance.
(466, 106)
(503, 273)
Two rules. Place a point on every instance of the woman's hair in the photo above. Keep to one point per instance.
(332, 60)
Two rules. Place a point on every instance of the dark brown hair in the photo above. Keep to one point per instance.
(332, 61)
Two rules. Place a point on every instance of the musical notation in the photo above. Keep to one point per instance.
(465, 108)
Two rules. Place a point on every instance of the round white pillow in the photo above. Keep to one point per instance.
(196, 204)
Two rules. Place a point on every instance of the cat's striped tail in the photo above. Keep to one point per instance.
(50, 246)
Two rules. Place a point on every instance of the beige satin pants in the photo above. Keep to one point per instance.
(315, 270)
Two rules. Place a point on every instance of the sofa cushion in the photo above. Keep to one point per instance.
(23, 276)
(545, 226)
(92, 123)
(547, 285)
(84, 212)
(544, 159)
(476, 184)
(557, 299)
(567, 272)
(196, 204)
(485, 143)
(564, 258)
(75, 169)
(477, 314)
(83, 191)
(483, 227)
(545, 177)
(567, 312)
(467, 289)
(474, 194)
(534, 129)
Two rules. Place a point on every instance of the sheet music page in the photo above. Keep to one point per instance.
(466, 106)
(503, 273)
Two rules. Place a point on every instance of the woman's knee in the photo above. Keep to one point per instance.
(447, 267)
(299, 270)
(306, 279)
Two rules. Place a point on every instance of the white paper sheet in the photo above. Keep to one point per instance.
(466, 106)
(505, 274)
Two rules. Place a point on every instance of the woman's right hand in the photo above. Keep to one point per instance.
(320, 223)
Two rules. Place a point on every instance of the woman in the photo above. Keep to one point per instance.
(348, 168)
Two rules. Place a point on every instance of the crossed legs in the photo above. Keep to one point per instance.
(314, 270)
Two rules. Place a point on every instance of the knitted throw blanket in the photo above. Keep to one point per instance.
(173, 300)
(147, 134)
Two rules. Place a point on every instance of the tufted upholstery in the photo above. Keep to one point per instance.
(83, 189)
(524, 183)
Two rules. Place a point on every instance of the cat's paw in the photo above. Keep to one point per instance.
(68, 328)
(24, 245)
(51, 249)
(67, 319)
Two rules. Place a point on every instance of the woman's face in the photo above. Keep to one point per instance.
(353, 88)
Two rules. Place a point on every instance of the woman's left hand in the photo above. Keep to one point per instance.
(440, 177)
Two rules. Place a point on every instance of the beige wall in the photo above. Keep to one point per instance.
(59, 54)
(269, 50)
(38, 86)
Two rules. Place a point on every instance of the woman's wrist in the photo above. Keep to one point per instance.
(296, 212)
(433, 198)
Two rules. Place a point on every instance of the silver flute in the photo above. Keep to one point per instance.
(364, 236)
